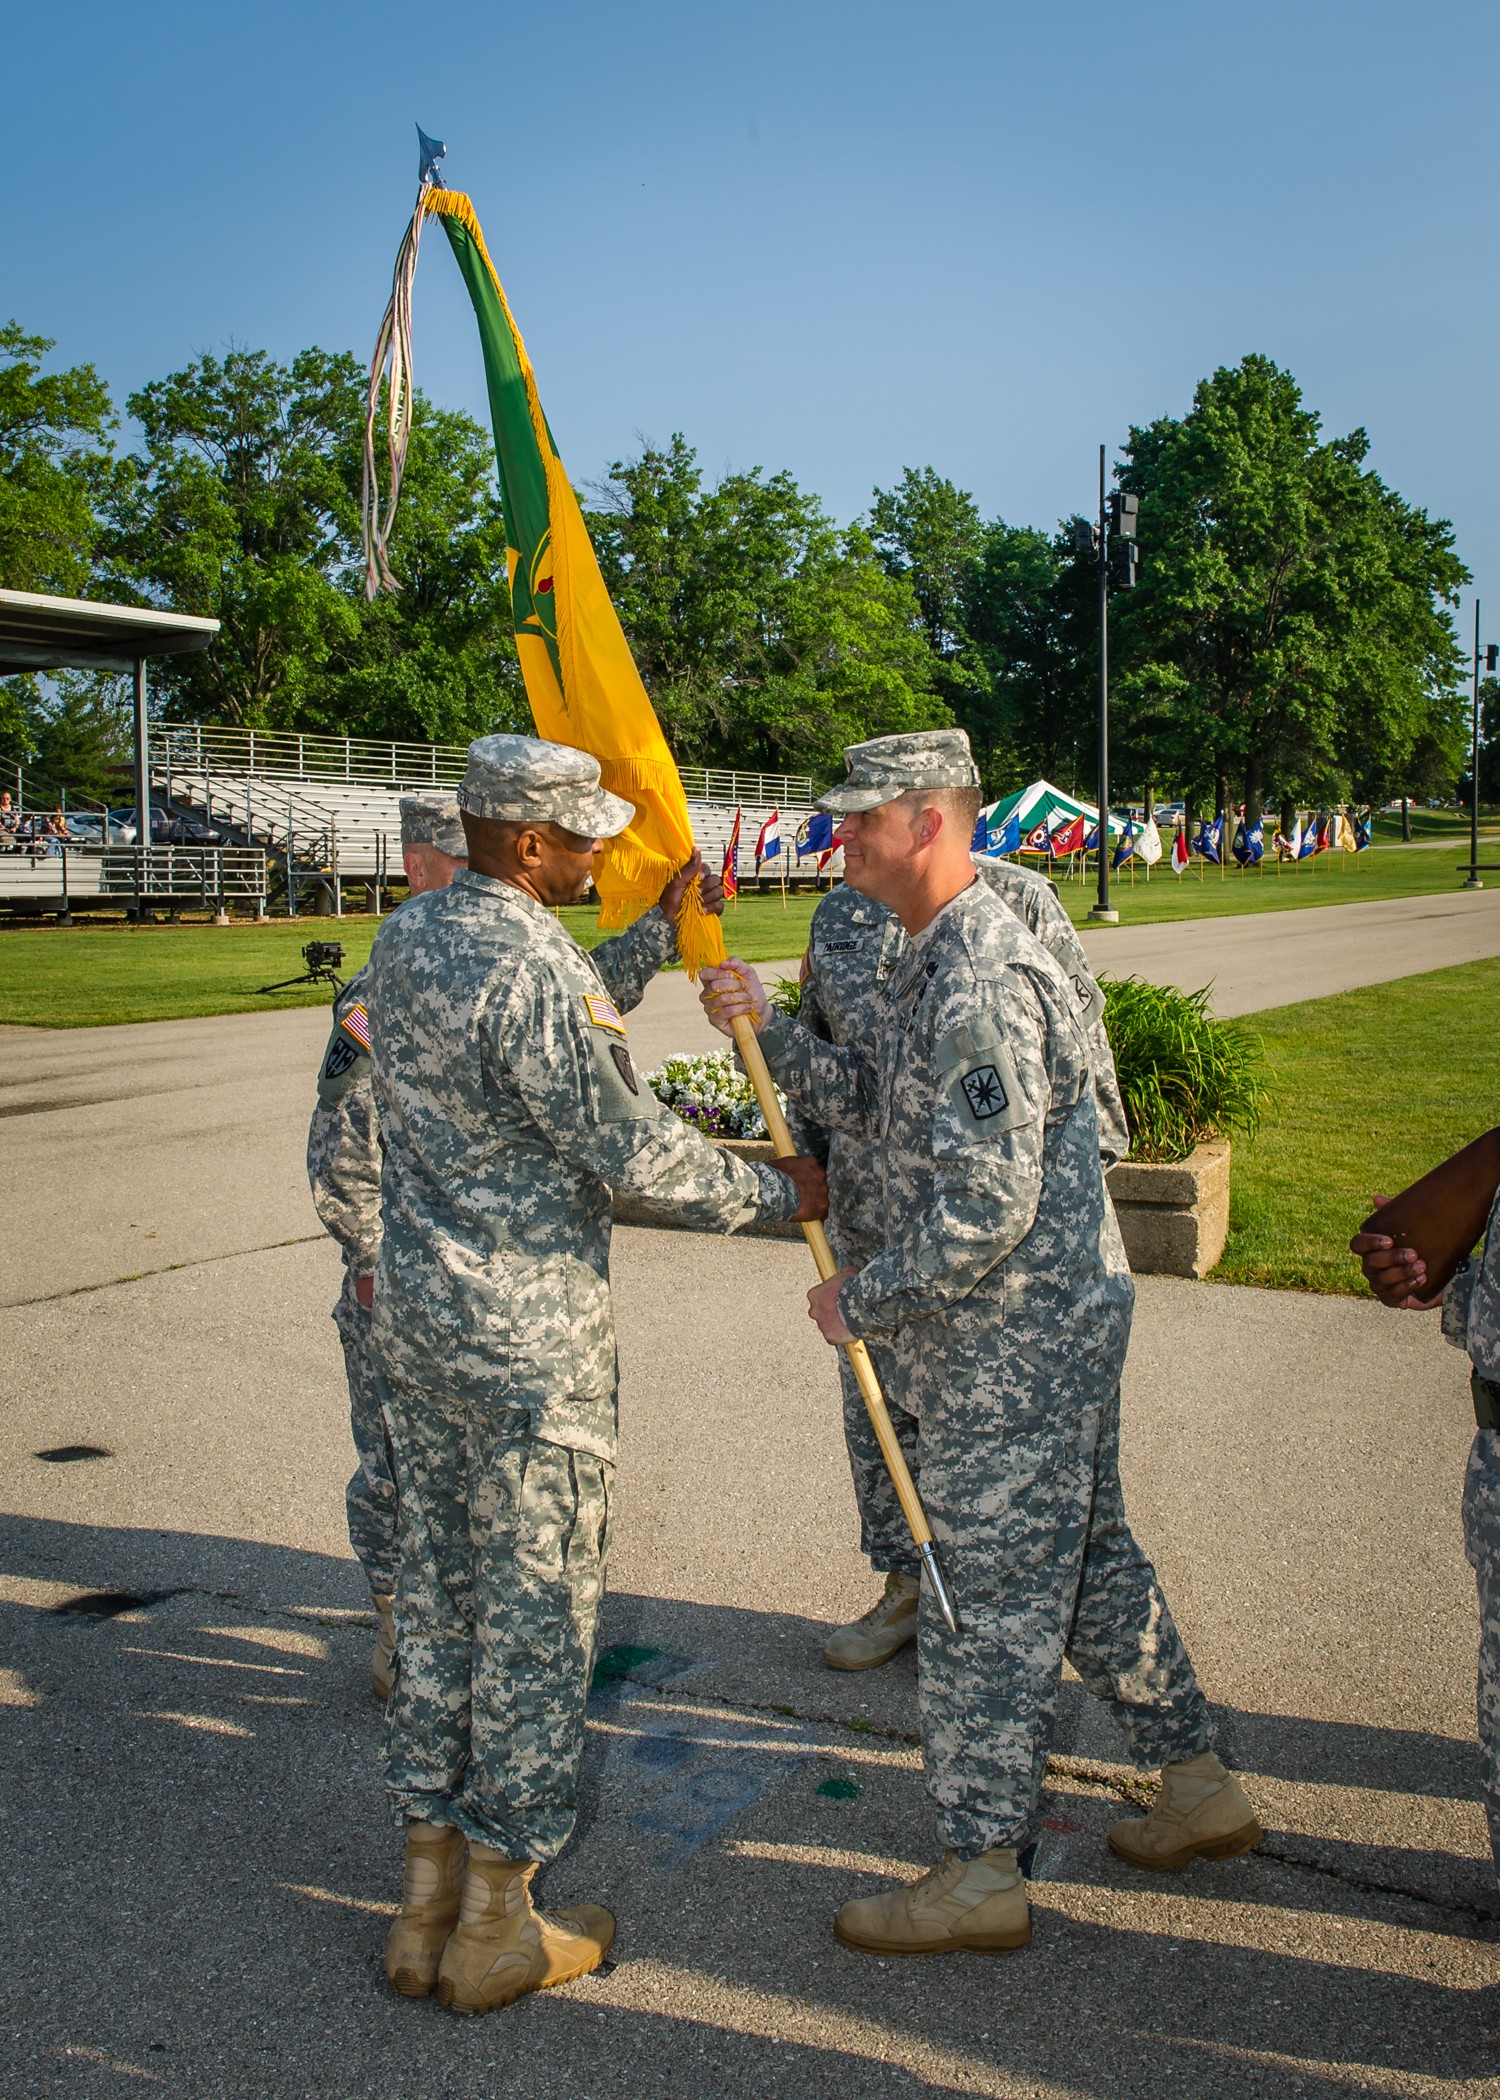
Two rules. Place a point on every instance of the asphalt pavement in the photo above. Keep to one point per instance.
(197, 1871)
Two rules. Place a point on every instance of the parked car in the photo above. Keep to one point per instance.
(189, 831)
(130, 826)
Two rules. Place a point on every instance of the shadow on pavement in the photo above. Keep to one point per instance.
(197, 1870)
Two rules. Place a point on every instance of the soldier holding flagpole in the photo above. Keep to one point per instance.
(1003, 1299)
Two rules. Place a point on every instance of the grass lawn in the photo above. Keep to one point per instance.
(1371, 1088)
(1434, 824)
(85, 975)
(1326, 878)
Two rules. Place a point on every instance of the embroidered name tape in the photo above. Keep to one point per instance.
(602, 1012)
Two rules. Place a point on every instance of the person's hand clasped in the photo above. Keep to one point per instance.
(730, 989)
(710, 890)
(1395, 1274)
(823, 1308)
(364, 1292)
(811, 1183)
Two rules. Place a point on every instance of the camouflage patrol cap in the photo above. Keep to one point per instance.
(890, 766)
(521, 780)
(432, 820)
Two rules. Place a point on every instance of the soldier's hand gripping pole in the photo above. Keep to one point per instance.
(753, 1058)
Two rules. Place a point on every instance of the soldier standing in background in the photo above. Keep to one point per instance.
(1471, 1322)
(854, 946)
(510, 1108)
(1004, 1301)
(343, 1166)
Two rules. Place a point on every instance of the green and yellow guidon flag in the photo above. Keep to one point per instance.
(581, 679)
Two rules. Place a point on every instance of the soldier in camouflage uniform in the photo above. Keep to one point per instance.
(1471, 1321)
(510, 1108)
(1003, 1302)
(853, 947)
(343, 1167)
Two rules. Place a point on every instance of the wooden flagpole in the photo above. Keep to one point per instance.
(754, 1061)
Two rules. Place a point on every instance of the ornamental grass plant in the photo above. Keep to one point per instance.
(1184, 1075)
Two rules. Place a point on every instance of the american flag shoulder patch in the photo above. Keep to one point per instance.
(602, 1012)
(356, 1023)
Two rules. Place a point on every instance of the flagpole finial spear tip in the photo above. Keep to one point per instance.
(431, 151)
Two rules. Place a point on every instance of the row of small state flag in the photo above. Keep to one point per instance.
(1324, 831)
(814, 838)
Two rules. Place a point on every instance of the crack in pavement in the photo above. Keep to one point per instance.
(1481, 1923)
(198, 1261)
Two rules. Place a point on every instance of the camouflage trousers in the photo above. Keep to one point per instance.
(1482, 1540)
(883, 1531)
(1030, 1517)
(370, 1498)
(502, 1574)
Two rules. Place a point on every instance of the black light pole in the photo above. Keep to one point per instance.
(1473, 882)
(1103, 913)
(1117, 564)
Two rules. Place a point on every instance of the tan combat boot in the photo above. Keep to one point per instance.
(1200, 1812)
(883, 1632)
(431, 1889)
(383, 1660)
(505, 1947)
(974, 1906)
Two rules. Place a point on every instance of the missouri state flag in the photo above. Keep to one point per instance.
(815, 834)
(769, 842)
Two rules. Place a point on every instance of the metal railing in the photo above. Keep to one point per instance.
(208, 747)
(205, 872)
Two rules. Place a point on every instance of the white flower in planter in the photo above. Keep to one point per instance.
(709, 1092)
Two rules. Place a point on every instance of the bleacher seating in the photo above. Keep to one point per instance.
(333, 804)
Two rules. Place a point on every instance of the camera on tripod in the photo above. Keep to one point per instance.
(324, 960)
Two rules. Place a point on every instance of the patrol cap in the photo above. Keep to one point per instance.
(889, 766)
(432, 820)
(521, 780)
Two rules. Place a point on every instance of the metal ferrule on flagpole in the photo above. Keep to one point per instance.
(754, 1060)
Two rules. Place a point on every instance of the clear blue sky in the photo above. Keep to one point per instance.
(838, 238)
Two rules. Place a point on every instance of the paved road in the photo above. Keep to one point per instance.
(197, 1868)
(1261, 960)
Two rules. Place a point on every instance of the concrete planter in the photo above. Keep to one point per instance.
(629, 1210)
(1174, 1219)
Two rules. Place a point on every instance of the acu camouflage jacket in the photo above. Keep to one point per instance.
(510, 1108)
(1001, 1268)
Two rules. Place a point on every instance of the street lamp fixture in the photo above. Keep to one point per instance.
(1117, 557)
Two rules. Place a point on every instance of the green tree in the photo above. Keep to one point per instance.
(1024, 610)
(79, 732)
(1292, 622)
(766, 637)
(54, 455)
(243, 505)
(928, 530)
(54, 450)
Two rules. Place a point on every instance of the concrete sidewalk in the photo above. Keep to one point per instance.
(197, 1871)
